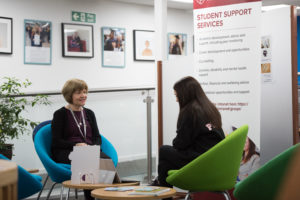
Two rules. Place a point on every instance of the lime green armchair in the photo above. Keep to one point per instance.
(266, 181)
(216, 170)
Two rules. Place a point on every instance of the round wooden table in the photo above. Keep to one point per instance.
(86, 186)
(102, 194)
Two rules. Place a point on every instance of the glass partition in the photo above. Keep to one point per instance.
(121, 118)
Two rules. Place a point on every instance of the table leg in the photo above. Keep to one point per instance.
(68, 193)
(61, 192)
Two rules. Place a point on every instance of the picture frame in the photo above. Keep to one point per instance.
(193, 44)
(113, 47)
(143, 45)
(6, 39)
(177, 44)
(37, 42)
(77, 40)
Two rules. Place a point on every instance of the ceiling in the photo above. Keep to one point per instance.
(277, 2)
(189, 6)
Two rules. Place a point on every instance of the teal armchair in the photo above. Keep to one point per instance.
(216, 170)
(59, 172)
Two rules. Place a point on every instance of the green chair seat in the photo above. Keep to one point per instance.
(264, 183)
(215, 170)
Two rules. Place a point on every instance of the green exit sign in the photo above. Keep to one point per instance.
(83, 17)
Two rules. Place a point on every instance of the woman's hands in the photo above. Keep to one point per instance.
(81, 144)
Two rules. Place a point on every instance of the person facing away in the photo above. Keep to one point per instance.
(250, 160)
(198, 129)
(73, 124)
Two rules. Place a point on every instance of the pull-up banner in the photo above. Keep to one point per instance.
(227, 59)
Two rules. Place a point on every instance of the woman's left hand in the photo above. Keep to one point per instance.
(81, 144)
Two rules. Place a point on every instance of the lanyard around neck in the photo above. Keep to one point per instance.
(84, 125)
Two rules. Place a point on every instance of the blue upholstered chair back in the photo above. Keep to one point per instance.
(28, 184)
(60, 172)
(39, 126)
(109, 150)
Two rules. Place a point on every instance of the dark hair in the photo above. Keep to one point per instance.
(191, 95)
(251, 151)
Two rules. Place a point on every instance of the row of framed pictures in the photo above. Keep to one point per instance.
(77, 41)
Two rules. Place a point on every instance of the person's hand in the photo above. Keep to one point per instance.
(81, 144)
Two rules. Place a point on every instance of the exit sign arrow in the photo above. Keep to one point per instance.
(83, 17)
(75, 16)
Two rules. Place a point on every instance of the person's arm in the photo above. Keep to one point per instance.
(184, 135)
(255, 163)
(171, 48)
(180, 47)
(57, 126)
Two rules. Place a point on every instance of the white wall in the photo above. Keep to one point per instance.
(173, 71)
(52, 77)
(276, 97)
(108, 13)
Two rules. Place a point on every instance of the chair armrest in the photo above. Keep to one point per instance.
(67, 166)
(37, 177)
(170, 172)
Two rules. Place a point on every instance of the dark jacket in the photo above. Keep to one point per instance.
(61, 147)
(193, 139)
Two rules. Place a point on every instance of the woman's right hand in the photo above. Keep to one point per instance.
(81, 144)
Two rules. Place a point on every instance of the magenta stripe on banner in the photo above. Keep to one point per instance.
(213, 3)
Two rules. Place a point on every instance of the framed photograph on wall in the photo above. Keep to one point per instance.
(113, 47)
(6, 35)
(37, 42)
(143, 45)
(177, 44)
(193, 44)
(77, 40)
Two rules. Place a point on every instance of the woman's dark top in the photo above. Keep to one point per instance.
(61, 143)
(176, 49)
(75, 134)
(194, 137)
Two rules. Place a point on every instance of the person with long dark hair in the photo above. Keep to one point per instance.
(250, 160)
(199, 127)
